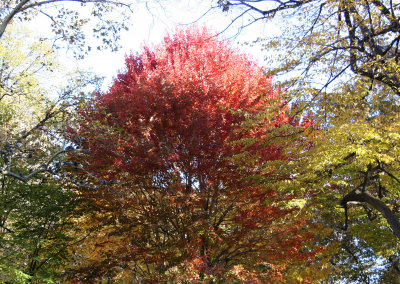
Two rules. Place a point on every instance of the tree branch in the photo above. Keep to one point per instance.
(360, 195)
(42, 170)
(11, 15)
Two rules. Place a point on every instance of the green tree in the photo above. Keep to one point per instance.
(37, 205)
(36, 209)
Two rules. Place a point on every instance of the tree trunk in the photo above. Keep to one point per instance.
(365, 196)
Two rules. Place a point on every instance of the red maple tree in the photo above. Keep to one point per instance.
(175, 204)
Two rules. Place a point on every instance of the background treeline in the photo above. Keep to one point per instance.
(197, 165)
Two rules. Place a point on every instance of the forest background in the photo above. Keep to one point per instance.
(297, 183)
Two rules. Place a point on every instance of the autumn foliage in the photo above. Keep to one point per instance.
(170, 202)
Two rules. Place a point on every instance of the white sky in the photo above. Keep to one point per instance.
(151, 21)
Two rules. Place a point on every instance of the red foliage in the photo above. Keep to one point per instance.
(165, 131)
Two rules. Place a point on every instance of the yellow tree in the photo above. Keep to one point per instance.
(340, 61)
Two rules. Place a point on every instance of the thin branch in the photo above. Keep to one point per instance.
(38, 4)
(388, 173)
